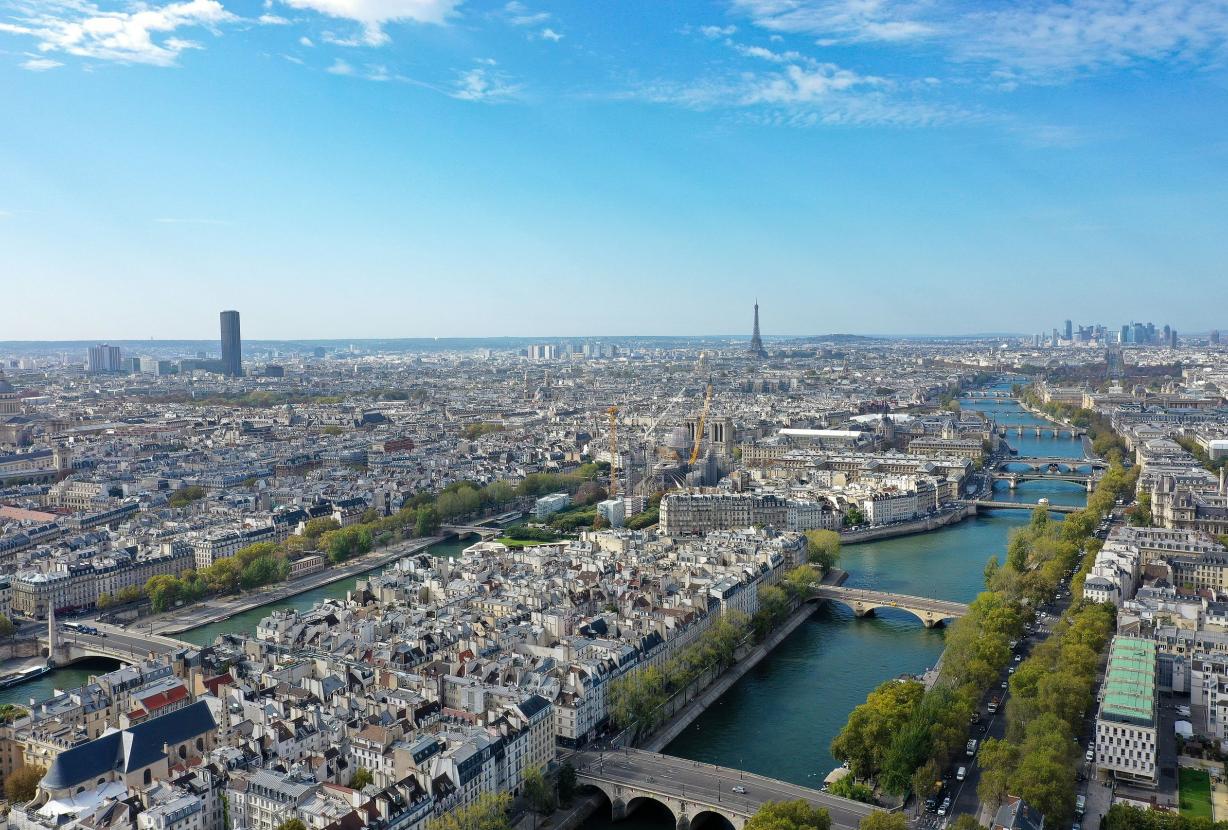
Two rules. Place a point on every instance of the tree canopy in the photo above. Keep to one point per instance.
(789, 815)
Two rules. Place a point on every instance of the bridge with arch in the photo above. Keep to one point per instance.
(124, 645)
(990, 504)
(1041, 463)
(988, 393)
(466, 530)
(863, 601)
(696, 793)
(1013, 480)
(1040, 431)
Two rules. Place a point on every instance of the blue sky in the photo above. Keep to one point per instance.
(350, 168)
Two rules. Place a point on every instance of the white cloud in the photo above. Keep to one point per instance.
(372, 15)
(340, 67)
(1051, 41)
(550, 34)
(305, 41)
(807, 95)
(840, 20)
(40, 64)
(482, 85)
(1035, 40)
(518, 14)
(801, 85)
(768, 55)
(713, 32)
(84, 30)
(273, 20)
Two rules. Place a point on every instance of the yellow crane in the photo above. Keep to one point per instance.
(699, 427)
(613, 413)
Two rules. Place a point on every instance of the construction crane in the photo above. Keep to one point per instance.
(613, 413)
(699, 427)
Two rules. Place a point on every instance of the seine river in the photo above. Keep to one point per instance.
(779, 719)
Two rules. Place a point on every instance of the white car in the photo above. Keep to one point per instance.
(739, 789)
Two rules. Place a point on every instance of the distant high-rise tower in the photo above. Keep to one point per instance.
(232, 345)
(1069, 330)
(756, 342)
(103, 358)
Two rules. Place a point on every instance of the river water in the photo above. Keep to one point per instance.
(780, 718)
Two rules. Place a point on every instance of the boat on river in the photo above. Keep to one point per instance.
(11, 679)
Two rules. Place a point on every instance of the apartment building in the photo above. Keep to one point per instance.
(1126, 724)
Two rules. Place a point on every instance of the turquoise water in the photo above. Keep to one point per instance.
(78, 674)
(781, 717)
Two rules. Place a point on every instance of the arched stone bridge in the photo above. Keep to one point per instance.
(125, 645)
(1043, 463)
(477, 530)
(689, 789)
(863, 601)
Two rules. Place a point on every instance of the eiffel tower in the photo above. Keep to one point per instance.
(756, 343)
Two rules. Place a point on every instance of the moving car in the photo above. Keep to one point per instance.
(961, 773)
(739, 789)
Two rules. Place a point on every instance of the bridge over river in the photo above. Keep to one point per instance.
(690, 789)
(125, 645)
(863, 601)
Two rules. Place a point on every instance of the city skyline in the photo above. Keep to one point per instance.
(442, 167)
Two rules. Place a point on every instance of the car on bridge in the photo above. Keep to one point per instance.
(739, 789)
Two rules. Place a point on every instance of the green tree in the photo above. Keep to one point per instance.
(10, 712)
(315, 528)
(538, 793)
(22, 784)
(963, 821)
(362, 778)
(773, 606)
(186, 495)
(7, 629)
(823, 548)
(848, 787)
(567, 782)
(292, 824)
(164, 591)
(797, 582)
(871, 727)
(853, 516)
(881, 820)
(426, 522)
(489, 812)
(789, 815)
